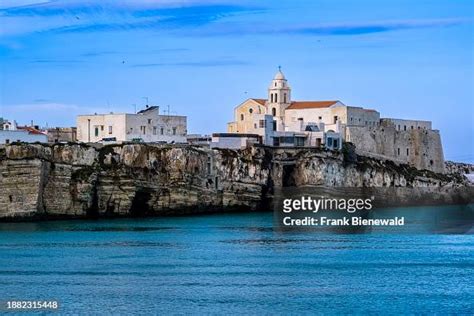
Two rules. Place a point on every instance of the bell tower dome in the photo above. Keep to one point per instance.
(279, 95)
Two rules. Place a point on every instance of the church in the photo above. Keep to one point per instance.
(281, 121)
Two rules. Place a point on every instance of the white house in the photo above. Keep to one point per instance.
(10, 132)
(145, 126)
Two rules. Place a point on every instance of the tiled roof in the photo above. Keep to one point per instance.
(260, 101)
(310, 104)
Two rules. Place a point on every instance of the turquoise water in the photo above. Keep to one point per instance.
(236, 263)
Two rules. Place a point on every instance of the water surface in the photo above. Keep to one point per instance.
(232, 263)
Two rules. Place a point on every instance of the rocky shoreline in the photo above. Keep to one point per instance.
(40, 181)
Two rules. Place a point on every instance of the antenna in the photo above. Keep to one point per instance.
(146, 98)
(134, 108)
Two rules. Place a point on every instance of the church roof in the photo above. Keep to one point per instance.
(260, 101)
(279, 76)
(296, 105)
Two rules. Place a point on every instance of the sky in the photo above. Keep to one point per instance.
(407, 59)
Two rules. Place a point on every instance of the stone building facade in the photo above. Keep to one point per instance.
(145, 126)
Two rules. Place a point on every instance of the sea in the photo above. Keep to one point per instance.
(242, 263)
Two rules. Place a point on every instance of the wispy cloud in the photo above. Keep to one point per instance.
(89, 16)
(319, 29)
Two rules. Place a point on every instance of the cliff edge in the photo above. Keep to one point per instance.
(76, 180)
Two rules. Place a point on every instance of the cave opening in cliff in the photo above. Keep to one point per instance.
(140, 206)
(288, 176)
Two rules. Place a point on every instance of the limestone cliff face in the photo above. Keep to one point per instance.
(137, 179)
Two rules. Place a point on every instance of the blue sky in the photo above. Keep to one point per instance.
(407, 59)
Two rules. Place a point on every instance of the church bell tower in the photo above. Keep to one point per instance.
(279, 95)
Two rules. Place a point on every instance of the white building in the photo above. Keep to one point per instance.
(145, 126)
(10, 132)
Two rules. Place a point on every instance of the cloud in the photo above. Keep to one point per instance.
(89, 16)
(329, 29)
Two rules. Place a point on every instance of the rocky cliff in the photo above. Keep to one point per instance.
(74, 180)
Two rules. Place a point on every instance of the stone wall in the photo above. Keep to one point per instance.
(418, 147)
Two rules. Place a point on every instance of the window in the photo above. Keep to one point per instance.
(276, 98)
(274, 111)
(271, 97)
(250, 110)
(412, 127)
(275, 84)
(284, 98)
(102, 127)
(149, 121)
(143, 129)
(351, 119)
(7, 141)
(254, 125)
(261, 123)
(162, 131)
(110, 129)
(274, 125)
(404, 127)
(154, 130)
(398, 151)
(320, 118)
(398, 127)
(96, 132)
(335, 119)
(335, 143)
(241, 117)
(329, 141)
(174, 130)
(408, 151)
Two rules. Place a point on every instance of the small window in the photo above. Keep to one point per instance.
(162, 131)
(275, 84)
(271, 97)
(174, 130)
(241, 117)
(143, 129)
(408, 151)
(149, 121)
(276, 98)
(274, 111)
(261, 123)
(274, 125)
(110, 129)
(154, 130)
(404, 127)
(284, 98)
(412, 127)
(254, 125)
(320, 118)
(250, 110)
(398, 127)
(96, 132)
(102, 127)
(398, 151)
(335, 119)
(7, 141)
